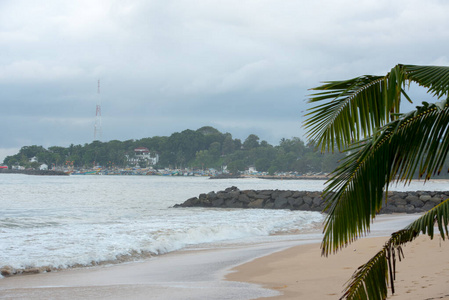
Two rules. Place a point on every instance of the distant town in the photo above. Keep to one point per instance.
(202, 152)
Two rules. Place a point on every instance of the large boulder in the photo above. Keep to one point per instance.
(256, 203)
(280, 202)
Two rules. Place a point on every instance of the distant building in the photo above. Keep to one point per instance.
(43, 167)
(251, 170)
(142, 154)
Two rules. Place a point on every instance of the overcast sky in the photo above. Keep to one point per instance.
(241, 66)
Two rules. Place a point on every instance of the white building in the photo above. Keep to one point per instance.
(143, 154)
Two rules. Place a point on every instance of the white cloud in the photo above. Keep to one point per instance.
(37, 71)
(179, 60)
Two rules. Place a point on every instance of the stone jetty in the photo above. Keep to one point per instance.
(232, 197)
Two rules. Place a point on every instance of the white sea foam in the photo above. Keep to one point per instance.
(84, 220)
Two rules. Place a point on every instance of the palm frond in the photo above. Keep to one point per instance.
(370, 279)
(418, 141)
(355, 108)
(362, 116)
(435, 78)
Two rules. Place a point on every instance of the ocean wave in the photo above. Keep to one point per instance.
(94, 245)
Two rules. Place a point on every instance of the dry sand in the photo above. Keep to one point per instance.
(302, 273)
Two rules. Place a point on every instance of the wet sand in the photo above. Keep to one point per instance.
(194, 274)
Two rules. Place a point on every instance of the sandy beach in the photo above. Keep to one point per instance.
(302, 273)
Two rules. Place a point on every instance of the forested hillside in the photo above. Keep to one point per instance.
(203, 148)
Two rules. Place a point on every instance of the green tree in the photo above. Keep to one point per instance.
(362, 116)
(228, 144)
(236, 166)
(252, 141)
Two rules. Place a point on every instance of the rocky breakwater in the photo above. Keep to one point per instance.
(398, 202)
(269, 199)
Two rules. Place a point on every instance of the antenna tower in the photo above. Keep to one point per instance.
(97, 129)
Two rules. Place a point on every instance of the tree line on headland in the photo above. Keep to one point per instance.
(203, 148)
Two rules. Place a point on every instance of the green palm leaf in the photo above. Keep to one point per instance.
(353, 109)
(361, 116)
(435, 78)
(370, 279)
(357, 107)
(416, 142)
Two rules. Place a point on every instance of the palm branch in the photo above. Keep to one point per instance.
(414, 142)
(355, 108)
(370, 279)
(362, 116)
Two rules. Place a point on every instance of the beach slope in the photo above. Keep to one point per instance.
(302, 273)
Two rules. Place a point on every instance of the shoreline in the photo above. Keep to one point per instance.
(206, 273)
(186, 274)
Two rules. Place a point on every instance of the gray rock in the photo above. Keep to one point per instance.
(275, 194)
(417, 203)
(298, 194)
(266, 192)
(286, 194)
(250, 193)
(262, 196)
(295, 202)
(190, 202)
(234, 194)
(280, 202)
(236, 204)
(400, 201)
(398, 194)
(230, 189)
(436, 200)
(409, 209)
(244, 198)
(223, 195)
(307, 200)
(304, 206)
(425, 197)
(232, 203)
(269, 205)
(217, 202)
(256, 203)
(211, 196)
(317, 201)
(314, 194)
(428, 206)
(400, 208)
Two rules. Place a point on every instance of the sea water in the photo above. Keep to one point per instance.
(73, 221)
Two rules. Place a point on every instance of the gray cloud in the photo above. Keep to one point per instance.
(241, 66)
